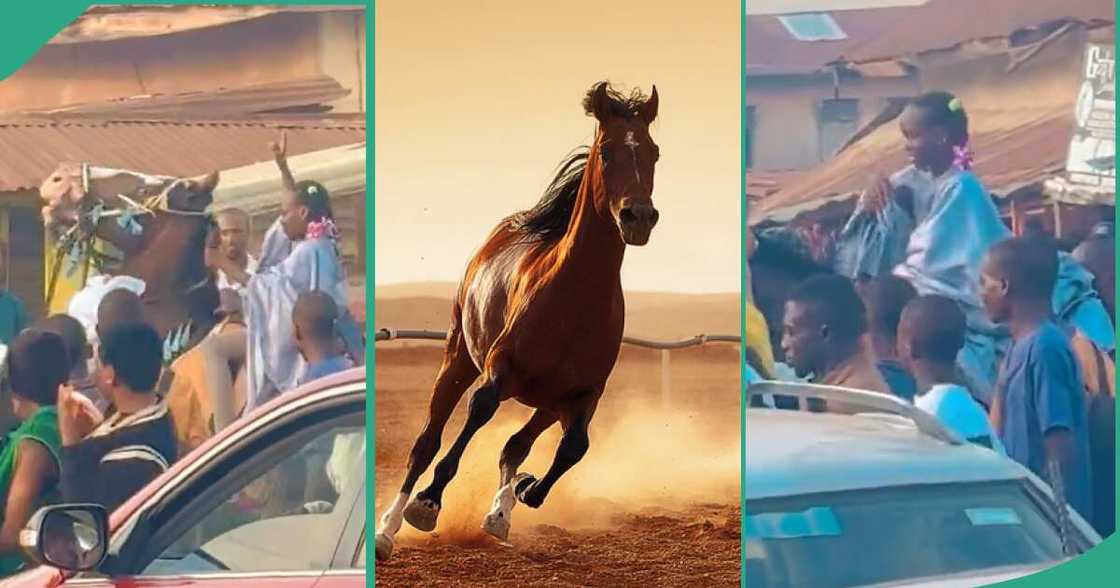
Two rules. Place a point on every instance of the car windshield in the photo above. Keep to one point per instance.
(855, 538)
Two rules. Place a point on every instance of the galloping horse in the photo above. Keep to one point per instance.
(165, 249)
(539, 315)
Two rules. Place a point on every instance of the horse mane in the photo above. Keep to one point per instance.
(621, 105)
(549, 218)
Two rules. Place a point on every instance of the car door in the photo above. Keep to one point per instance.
(348, 570)
(277, 507)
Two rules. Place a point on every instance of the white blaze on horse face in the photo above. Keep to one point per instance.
(630, 141)
(633, 144)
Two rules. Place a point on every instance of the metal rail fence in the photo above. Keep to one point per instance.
(664, 346)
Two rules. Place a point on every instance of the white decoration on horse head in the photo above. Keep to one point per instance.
(630, 141)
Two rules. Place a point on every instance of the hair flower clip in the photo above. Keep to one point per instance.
(955, 105)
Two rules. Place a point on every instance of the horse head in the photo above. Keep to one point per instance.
(160, 224)
(73, 187)
(626, 156)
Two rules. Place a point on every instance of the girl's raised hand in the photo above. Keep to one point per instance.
(280, 150)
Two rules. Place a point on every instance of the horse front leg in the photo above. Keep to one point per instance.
(497, 522)
(575, 420)
(423, 511)
(456, 374)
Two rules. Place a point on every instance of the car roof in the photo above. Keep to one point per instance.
(338, 382)
(792, 453)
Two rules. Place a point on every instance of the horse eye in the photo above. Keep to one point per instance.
(604, 154)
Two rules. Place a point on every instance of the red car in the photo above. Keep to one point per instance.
(278, 499)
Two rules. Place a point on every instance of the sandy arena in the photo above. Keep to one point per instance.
(654, 502)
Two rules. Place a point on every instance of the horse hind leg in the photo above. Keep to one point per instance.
(456, 374)
(573, 446)
(497, 522)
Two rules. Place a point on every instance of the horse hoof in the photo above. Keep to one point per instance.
(524, 490)
(497, 526)
(422, 514)
(383, 547)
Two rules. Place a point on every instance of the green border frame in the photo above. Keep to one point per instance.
(1090, 569)
(27, 26)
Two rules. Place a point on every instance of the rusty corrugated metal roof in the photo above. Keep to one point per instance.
(1012, 147)
(888, 33)
(210, 104)
(114, 22)
(762, 183)
(943, 24)
(33, 149)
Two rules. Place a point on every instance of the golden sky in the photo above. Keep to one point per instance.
(478, 101)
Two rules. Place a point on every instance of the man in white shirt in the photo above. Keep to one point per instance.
(931, 333)
(233, 231)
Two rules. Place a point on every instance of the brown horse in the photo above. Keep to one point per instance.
(539, 315)
(166, 252)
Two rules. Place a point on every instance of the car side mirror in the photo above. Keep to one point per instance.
(73, 537)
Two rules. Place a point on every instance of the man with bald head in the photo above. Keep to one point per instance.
(233, 234)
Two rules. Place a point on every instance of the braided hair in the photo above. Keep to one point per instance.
(945, 110)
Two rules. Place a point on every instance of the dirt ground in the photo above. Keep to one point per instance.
(654, 502)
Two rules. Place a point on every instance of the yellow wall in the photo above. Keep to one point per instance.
(65, 288)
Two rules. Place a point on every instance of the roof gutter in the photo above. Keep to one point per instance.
(255, 188)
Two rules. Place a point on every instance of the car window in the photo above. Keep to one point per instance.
(866, 537)
(286, 516)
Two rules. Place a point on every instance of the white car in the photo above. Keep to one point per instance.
(868, 490)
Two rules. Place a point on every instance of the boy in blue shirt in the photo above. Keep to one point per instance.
(931, 333)
(1041, 410)
(315, 316)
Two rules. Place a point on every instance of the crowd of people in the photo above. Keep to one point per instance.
(102, 414)
(1007, 340)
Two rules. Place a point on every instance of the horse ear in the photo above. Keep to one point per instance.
(648, 111)
(210, 181)
(203, 184)
(599, 102)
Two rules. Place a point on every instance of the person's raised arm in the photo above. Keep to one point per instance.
(280, 152)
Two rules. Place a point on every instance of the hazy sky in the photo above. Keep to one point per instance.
(478, 101)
